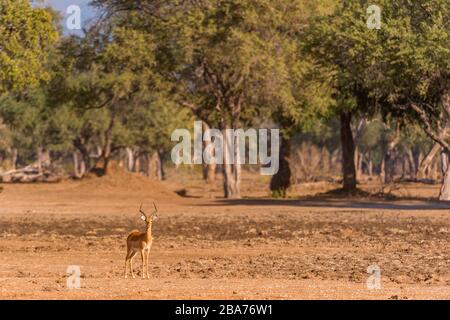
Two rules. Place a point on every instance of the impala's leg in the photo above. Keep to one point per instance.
(131, 263)
(143, 262)
(146, 263)
(127, 258)
(148, 254)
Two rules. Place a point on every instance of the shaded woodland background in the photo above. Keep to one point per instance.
(353, 103)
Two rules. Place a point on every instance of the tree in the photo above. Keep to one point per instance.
(5, 148)
(106, 70)
(147, 129)
(415, 67)
(308, 88)
(26, 34)
(342, 43)
(35, 129)
(239, 55)
(370, 144)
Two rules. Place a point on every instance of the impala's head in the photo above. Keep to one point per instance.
(149, 219)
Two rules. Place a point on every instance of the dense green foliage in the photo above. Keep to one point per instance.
(26, 34)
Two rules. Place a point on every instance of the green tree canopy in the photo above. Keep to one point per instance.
(26, 34)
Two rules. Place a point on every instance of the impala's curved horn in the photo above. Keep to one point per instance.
(156, 209)
(142, 212)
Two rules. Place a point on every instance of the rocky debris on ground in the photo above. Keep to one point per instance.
(30, 174)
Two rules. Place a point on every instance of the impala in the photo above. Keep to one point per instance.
(141, 242)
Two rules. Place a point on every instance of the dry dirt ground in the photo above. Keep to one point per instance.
(209, 248)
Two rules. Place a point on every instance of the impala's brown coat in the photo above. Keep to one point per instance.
(140, 242)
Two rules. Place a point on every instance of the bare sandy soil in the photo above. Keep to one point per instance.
(209, 248)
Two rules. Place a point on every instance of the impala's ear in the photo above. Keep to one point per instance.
(143, 217)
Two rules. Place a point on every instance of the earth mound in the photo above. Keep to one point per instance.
(122, 182)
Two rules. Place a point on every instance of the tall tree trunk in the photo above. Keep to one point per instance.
(227, 168)
(434, 170)
(43, 158)
(412, 164)
(122, 159)
(79, 166)
(359, 163)
(370, 166)
(382, 171)
(348, 153)
(107, 147)
(389, 166)
(84, 153)
(155, 169)
(405, 167)
(335, 162)
(129, 154)
(444, 162)
(231, 169)
(148, 163)
(282, 180)
(390, 156)
(357, 134)
(445, 189)
(427, 161)
(160, 166)
(419, 161)
(227, 176)
(237, 166)
(209, 170)
(325, 161)
(237, 173)
(136, 164)
(14, 157)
